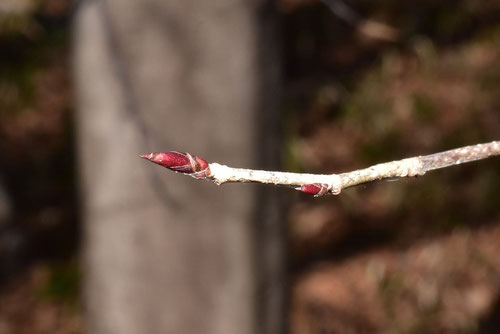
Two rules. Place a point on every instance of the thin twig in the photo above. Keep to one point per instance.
(321, 184)
(366, 27)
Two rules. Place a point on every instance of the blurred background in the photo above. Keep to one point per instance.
(300, 85)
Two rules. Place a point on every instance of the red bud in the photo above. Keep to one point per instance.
(180, 162)
(316, 189)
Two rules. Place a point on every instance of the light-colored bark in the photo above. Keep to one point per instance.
(164, 254)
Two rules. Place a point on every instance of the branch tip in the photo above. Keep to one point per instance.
(180, 162)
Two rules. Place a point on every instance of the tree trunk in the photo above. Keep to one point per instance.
(165, 253)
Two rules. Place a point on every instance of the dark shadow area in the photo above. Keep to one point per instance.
(491, 323)
(40, 236)
(38, 160)
(269, 224)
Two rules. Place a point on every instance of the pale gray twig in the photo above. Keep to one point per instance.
(321, 184)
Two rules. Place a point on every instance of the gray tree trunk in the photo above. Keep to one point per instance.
(164, 253)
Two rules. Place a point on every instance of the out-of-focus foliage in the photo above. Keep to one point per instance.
(354, 101)
(41, 300)
(35, 103)
(36, 169)
(15, 16)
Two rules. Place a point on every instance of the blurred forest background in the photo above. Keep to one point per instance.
(366, 82)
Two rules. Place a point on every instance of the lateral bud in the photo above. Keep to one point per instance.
(181, 162)
(316, 189)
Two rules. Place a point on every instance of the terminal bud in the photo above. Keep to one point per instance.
(180, 162)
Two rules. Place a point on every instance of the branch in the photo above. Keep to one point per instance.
(369, 28)
(321, 184)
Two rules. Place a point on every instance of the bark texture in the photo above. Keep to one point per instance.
(165, 254)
